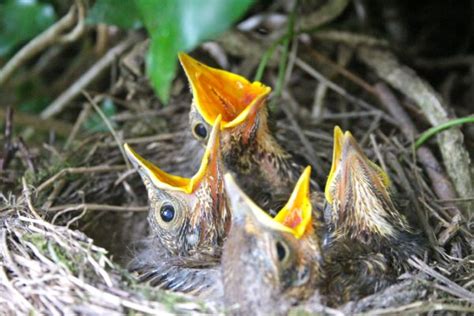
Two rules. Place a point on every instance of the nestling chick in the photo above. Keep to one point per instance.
(189, 222)
(267, 266)
(261, 166)
(370, 239)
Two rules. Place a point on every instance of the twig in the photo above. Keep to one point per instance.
(318, 76)
(79, 121)
(441, 185)
(98, 207)
(8, 284)
(8, 148)
(405, 183)
(420, 307)
(25, 119)
(80, 25)
(284, 59)
(343, 71)
(378, 154)
(73, 91)
(454, 288)
(318, 101)
(455, 156)
(254, 50)
(324, 15)
(350, 39)
(58, 186)
(27, 197)
(79, 170)
(26, 155)
(312, 157)
(118, 139)
(39, 43)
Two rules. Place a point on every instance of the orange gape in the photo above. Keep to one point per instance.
(297, 213)
(220, 92)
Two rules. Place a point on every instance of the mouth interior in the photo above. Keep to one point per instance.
(164, 180)
(218, 92)
(296, 214)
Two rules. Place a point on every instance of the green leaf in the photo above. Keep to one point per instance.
(180, 25)
(21, 20)
(95, 123)
(121, 13)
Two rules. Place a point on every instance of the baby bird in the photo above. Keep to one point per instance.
(370, 239)
(269, 265)
(261, 166)
(189, 222)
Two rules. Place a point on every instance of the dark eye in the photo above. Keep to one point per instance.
(167, 213)
(200, 130)
(282, 251)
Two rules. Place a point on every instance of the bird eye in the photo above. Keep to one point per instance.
(200, 130)
(167, 213)
(282, 251)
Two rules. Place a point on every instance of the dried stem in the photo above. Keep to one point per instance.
(455, 157)
(441, 184)
(52, 35)
(73, 91)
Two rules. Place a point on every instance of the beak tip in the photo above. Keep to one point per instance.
(182, 56)
(129, 152)
(235, 197)
(307, 172)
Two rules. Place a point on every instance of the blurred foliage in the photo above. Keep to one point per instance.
(21, 20)
(123, 14)
(173, 26)
(34, 104)
(95, 123)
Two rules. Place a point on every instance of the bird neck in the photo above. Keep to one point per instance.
(258, 161)
(209, 220)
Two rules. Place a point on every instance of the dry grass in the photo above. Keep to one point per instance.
(79, 198)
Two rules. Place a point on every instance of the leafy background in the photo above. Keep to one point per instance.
(173, 26)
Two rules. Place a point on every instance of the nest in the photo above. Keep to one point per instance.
(71, 223)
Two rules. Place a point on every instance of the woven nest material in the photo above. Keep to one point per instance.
(57, 222)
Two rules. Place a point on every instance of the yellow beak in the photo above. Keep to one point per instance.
(163, 180)
(243, 207)
(221, 92)
(296, 214)
(349, 157)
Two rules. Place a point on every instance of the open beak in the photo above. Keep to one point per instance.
(351, 167)
(336, 157)
(244, 209)
(221, 92)
(209, 168)
(296, 214)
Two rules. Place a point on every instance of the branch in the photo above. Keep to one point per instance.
(73, 91)
(45, 39)
(451, 144)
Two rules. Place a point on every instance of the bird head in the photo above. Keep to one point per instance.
(358, 192)
(189, 215)
(267, 264)
(217, 92)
